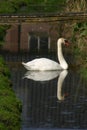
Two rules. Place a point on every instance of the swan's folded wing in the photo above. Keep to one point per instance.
(42, 64)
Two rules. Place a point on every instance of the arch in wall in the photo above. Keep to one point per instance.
(33, 44)
(38, 43)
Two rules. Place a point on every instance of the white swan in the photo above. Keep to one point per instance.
(43, 64)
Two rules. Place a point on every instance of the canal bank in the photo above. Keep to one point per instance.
(10, 105)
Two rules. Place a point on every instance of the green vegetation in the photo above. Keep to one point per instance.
(41, 6)
(30, 6)
(3, 69)
(10, 106)
(76, 5)
(80, 46)
(79, 35)
(3, 29)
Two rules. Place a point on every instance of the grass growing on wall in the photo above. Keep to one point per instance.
(30, 6)
(76, 5)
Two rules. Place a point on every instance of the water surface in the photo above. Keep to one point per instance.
(47, 105)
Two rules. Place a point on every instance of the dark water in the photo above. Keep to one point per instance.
(47, 105)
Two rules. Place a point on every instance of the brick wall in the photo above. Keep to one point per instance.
(12, 41)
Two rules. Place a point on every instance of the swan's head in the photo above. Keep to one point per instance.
(63, 41)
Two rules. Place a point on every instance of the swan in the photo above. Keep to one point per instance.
(44, 64)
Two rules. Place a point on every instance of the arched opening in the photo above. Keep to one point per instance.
(33, 44)
(43, 44)
(38, 43)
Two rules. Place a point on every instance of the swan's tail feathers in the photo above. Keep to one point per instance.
(26, 66)
(23, 63)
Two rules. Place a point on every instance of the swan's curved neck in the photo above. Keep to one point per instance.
(61, 59)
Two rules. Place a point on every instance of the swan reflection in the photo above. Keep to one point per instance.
(47, 76)
(41, 75)
(61, 79)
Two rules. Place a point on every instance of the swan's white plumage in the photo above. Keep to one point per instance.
(42, 64)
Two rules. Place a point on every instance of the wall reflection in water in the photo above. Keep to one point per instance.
(51, 99)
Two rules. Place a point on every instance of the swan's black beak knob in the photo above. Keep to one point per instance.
(67, 43)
